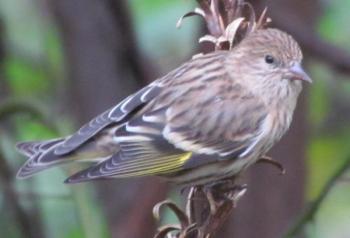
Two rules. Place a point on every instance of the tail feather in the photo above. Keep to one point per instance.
(30, 148)
(41, 156)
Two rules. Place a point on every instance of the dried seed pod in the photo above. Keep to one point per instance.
(228, 22)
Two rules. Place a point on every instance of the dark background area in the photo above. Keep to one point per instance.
(63, 62)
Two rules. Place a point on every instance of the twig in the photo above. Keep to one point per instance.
(310, 213)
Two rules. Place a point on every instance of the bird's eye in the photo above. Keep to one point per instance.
(269, 59)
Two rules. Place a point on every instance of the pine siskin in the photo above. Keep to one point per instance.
(207, 120)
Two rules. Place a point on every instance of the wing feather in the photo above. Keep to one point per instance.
(111, 116)
(200, 117)
(217, 118)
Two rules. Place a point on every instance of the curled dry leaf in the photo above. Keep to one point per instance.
(184, 230)
(231, 30)
(227, 27)
(198, 221)
(208, 38)
(263, 20)
(239, 194)
(197, 12)
(181, 216)
(164, 231)
(190, 232)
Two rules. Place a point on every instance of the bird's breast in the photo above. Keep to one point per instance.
(280, 120)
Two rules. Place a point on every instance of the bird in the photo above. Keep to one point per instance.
(207, 120)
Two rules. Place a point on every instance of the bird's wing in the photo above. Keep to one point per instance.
(112, 116)
(143, 151)
(203, 113)
(220, 118)
(126, 108)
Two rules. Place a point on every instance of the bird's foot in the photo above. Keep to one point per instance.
(222, 192)
(276, 164)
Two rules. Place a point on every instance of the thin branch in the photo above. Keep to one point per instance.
(311, 212)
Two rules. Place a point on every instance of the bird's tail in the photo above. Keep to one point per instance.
(41, 156)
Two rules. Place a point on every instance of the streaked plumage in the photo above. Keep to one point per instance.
(206, 120)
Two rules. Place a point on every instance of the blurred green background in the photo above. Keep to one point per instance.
(38, 64)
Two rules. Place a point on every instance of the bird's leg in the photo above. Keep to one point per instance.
(269, 160)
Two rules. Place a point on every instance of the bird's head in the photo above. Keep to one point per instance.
(273, 58)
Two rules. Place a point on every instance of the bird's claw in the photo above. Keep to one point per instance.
(276, 164)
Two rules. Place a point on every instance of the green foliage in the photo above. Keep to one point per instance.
(33, 130)
(329, 147)
(326, 154)
(24, 78)
(334, 24)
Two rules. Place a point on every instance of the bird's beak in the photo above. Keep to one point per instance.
(298, 73)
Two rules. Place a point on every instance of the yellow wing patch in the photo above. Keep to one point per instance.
(143, 167)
